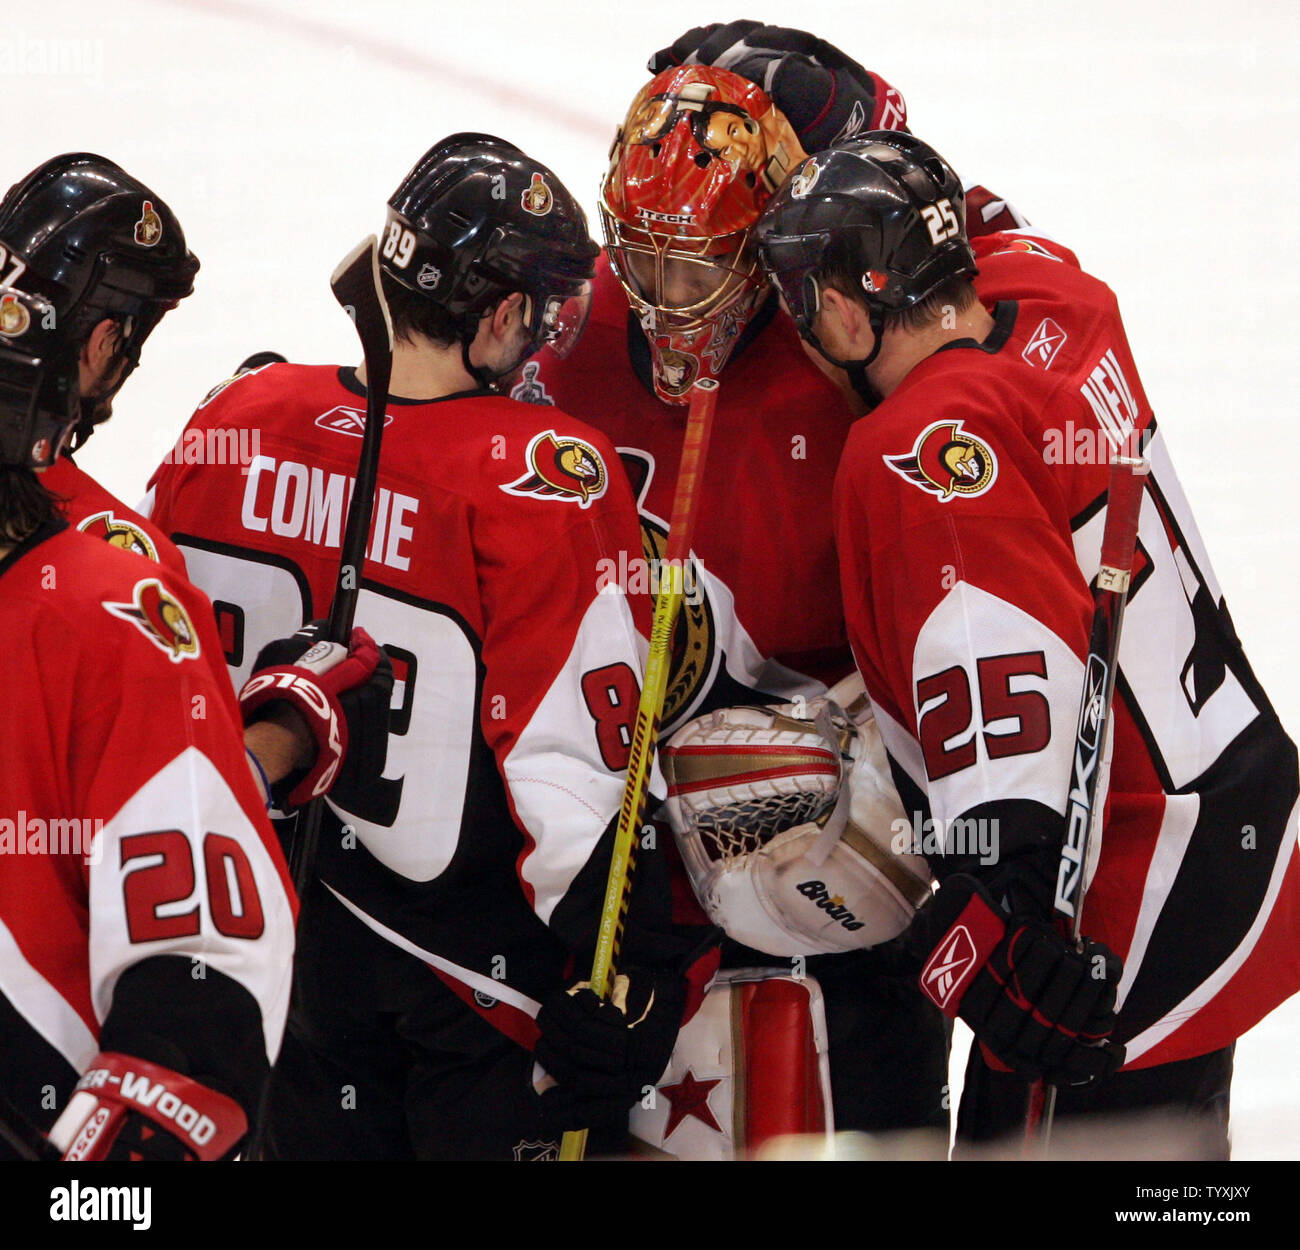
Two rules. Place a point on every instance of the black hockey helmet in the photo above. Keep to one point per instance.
(477, 219)
(884, 207)
(38, 378)
(97, 243)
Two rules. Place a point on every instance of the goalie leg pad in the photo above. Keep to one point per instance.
(751, 1065)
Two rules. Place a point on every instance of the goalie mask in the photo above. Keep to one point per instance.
(700, 153)
(785, 823)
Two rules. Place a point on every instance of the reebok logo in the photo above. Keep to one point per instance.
(351, 421)
(1046, 340)
(948, 966)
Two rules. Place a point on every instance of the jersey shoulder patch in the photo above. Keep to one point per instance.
(160, 617)
(947, 461)
(563, 469)
(119, 532)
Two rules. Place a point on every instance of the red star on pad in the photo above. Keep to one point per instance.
(689, 1097)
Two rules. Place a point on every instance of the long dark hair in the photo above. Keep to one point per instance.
(25, 505)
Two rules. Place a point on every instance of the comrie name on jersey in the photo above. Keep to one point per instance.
(293, 500)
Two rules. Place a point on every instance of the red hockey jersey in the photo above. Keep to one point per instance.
(497, 554)
(130, 823)
(764, 619)
(91, 509)
(969, 512)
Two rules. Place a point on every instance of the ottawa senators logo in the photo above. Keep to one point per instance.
(806, 178)
(675, 371)
(537, 198)
(14, 318)
(118, 533)
(565, 469)
(161, 619)
(1027, 245)
(148, 230)
(946, 461)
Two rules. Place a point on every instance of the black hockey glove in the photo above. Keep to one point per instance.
(826, 96)
(343, 696)
(604, 1054)
(1037, 1005)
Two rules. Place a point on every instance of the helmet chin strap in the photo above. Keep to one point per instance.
(487, 377)
(96, 409)
(484, 376)
(857, 369)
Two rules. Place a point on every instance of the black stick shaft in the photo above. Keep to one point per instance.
(356, 286)
(1118, 544)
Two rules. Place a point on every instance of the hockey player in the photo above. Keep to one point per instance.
(678, 209)
(967, 541)
(85, 236)
(115, 256)
(145, 915)
(462, 890)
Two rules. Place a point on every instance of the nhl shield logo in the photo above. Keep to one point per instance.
(536, 1151)
(428, 277)
(161, 619)
(567, 470)
(946, 461)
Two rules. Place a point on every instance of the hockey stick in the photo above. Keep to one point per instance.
(645, 729)
(1118, 542)
(24, 1137)
(356, 286)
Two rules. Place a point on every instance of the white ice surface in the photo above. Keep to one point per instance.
(1160, 141)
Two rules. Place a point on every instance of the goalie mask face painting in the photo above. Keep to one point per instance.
(698, 156)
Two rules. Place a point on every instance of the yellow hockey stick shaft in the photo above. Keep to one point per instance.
(645, 729)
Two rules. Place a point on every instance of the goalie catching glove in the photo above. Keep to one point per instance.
(787, 820)
(341, 693)
(605, 1053)
(1037, 1005)
(826, 96)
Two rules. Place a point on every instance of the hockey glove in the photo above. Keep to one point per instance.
(605, 1053)
(127, 1110)
(1037, 1005)
(342, 694)
(826, 96)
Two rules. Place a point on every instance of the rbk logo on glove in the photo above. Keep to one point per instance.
(949, 967)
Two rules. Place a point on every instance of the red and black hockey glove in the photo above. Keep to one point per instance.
(605, 1053)
(127, 1110)
(343, 695)
(1037, 1005)
(826, 96)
